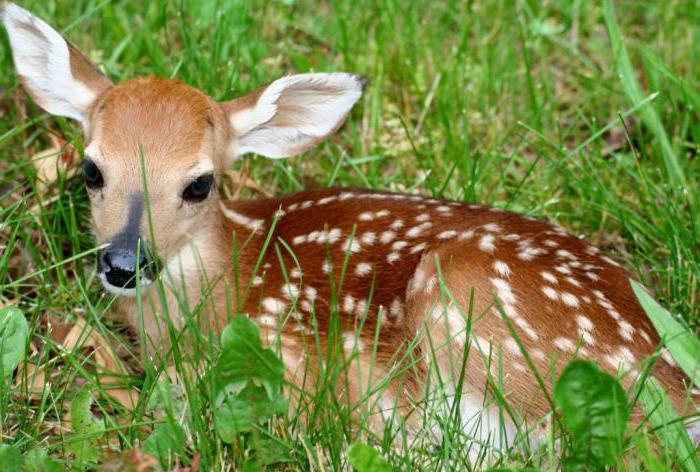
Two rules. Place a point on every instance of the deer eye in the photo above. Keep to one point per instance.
(198, 189)
(92, 175)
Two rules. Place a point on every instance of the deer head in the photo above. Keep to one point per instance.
(155, 148)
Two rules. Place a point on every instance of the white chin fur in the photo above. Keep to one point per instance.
(124, 292)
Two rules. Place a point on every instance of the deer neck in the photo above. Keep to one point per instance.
(214, 265)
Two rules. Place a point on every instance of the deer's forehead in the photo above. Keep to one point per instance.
(164, 118)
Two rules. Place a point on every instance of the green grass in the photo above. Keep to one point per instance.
(563, 110)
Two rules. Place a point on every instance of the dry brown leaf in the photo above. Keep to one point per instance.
(240, 180)
(194, 466)
(61, 157)
(111, 368)
(133, 460)
(36, 379)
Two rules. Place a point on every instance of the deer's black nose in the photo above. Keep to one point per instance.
(119, 266)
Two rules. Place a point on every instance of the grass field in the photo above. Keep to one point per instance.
(555, 109)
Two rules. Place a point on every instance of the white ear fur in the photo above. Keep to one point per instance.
(294, 113)
(43, 62)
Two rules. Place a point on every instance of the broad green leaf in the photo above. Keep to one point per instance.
(84, 423)
(594, 410)
(240, 410)
(244, 359)
(10, 458)
(272, 451)
(663, 416)
(14, 332)
(37, 460)
(248, 380)
(364, 458)
(166, 440)
(683, 345)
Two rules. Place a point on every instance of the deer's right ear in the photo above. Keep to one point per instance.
(57, 76)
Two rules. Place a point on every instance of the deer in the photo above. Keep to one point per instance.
(433, 278)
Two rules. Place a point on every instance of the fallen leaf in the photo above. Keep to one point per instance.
(194, 465)
(111, 368)
(133, 460)
(36, 380)
(238, 181)
(61, 157)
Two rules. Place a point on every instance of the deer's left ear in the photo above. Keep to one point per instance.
(57, 76)
(292, 114)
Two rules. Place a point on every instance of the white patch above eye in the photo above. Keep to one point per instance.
(42, 59)
(204, 166)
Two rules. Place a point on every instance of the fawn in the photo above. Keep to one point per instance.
(419, 274)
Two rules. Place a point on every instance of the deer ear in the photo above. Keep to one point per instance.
(57, 76)
(292, 114)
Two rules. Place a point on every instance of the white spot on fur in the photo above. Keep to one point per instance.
(610, 261)
(492, 227)
(352, 341)
(368, 238)
(362, 269)
(417, 282)
(348, 304)
(569, 299)
(267, 320)
(398, 224)
(549, 277)
(626, 330)
(504, 291)
(501, 268)
(448, 234)
(290, 291)
(486, 243)
(326, 200)
(247, 222)
(327, 267)
(387, 236)
(311, 293)
(352, 245)
(513, 347)
(550, 293)
(418, 247)
(418, 230)
(398, 245)
(564, 344)
(274, 305)
(466, 235)
(584, 323)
